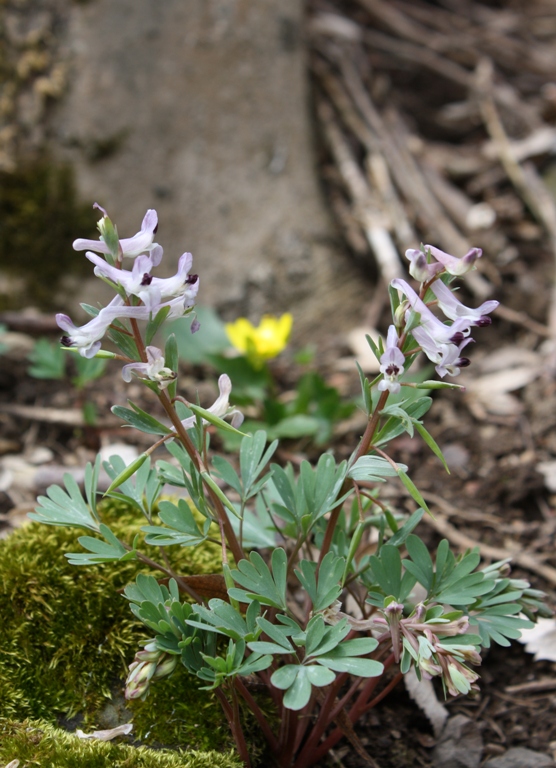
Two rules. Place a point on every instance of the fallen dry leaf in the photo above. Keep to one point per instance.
(111, 733)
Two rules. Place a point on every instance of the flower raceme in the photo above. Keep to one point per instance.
(262, 342)
(178, 293)
(440, 342)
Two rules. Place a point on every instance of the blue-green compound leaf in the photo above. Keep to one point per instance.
(182, 526)
(373, 469)
(344, 658)
(65, 507)
(268, 588)
(100, 551)
(327, 589)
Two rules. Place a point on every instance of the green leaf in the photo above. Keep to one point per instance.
(126, 473)
(262, 585)
(420, 564)
(154, 324)
(65, 507)
(99, 551)
(88, 369)
(47, 360)
(140, 419)
(413, 490)
(410, 524)
(171, 362)
(214, 420)
(394, 427)
(182, 526)
(373, 469)
(386, 569)
(123, 341)
(324, 592)
(430, 441)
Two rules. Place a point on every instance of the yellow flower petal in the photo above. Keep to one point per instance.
(263, 342)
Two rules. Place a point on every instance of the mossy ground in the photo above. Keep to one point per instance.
(40, 744)
(68, 636)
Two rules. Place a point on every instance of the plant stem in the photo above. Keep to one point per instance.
(364, 444)
(231, 538)
(232, 716)
(255, 709)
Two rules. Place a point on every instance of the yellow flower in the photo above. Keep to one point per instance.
(263, 342)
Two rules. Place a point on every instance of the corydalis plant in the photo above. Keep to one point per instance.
(295, 544)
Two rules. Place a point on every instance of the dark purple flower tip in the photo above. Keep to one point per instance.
(146, 279)
(457, 338)
(155, 230)
(463, 362)
(195, 325)
(484, 320)
(192, 279)
(392, 370)
(66, 341)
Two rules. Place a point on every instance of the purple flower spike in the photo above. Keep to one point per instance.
(451, 264)
(391, 363)
(454, 309)
(142, 242)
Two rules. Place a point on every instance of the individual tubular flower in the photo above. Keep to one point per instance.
(151, 290)
(262, 342)
(153, 370)
(419, 266)
(221, 406)
(391, 363)
(141, 242)
(453, 265)
(446, 357)
(441, 333)
(86, 338)
(454, 309)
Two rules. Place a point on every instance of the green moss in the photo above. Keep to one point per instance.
(41, 744)
(68, 636)
(39, 217)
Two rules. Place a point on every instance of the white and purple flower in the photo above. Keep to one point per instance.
(454, 309)
(221, 406)
(151, 290)
(86, 338)
(154, 369)
(421, 269)
(391, 363)
(141, 242)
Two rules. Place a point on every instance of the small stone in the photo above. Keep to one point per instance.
(519, 757)
(460, 745)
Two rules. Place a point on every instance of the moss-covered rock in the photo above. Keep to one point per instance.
(68, 635)
(34, 743)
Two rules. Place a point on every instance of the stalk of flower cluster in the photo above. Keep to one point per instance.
(194, 455)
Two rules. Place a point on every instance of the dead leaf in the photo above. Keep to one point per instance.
(112, 733)
(541, 640)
